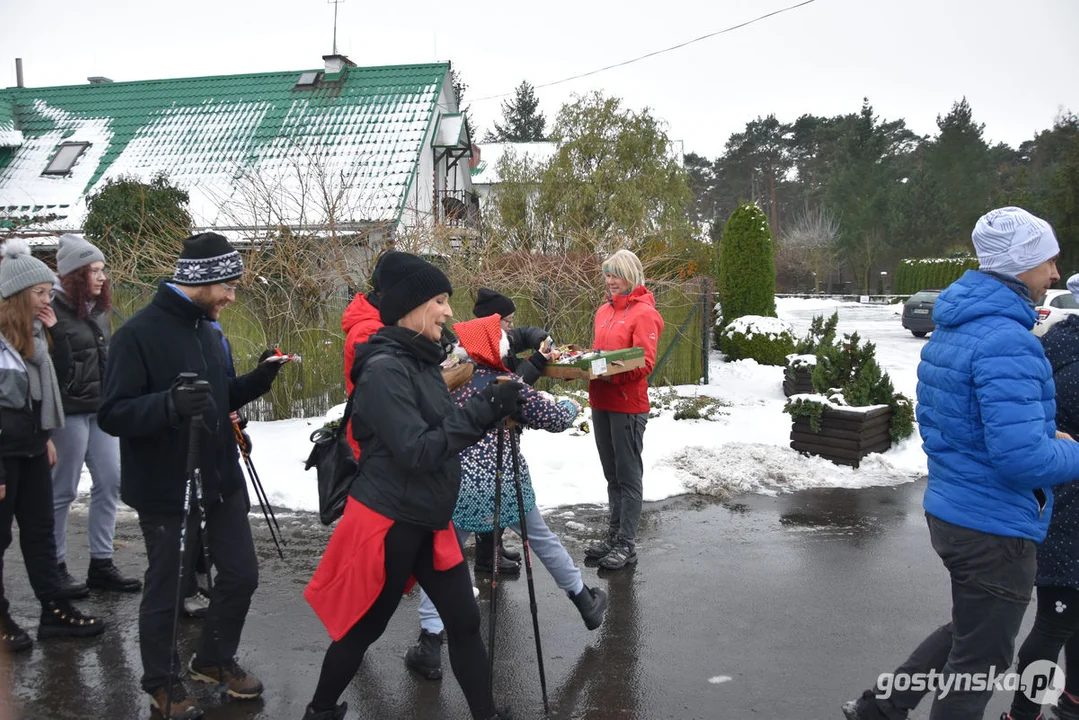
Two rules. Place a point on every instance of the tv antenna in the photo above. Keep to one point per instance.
(335, 3)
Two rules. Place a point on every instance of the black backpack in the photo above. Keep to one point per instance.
(335, 464)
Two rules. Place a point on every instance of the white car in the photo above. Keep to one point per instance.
(1054, 307)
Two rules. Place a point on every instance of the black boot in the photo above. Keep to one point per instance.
(71, 589)
(1067, 707)
(338, 713)
(425, 657)
(14, 637)
(591, 603)
(60, 619)
(506, 552)
(104, 575)
(484, 550)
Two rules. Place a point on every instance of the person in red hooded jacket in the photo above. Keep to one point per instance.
(360, 321)
(620, 404)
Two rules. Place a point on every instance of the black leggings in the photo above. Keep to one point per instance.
(1055, 627)
(409, 552)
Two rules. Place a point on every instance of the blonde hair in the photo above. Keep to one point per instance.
(625, 265)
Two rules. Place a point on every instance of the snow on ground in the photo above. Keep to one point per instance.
(747, 449)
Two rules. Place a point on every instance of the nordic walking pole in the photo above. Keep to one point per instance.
(514, 452)
(260, 492)
(499, 451)
(189, 485)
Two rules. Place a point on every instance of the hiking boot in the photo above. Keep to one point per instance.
(600, 548)
(619, 556)
(183, 706)
(338, 713)
(425, 657)
(866, 708)
(1067, 707)
(591, 603)
(15, 638)
(59, 618)
(104, 575)
(195, 606)
(850, 710)
(238, 683)
(484, 549)
(70, 588)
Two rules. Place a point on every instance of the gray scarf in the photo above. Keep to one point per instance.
(44, 388)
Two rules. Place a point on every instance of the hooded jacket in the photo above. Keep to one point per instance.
(80, 350)
(170, 336)
(986, 413)
(410, 433)
(626, 321)
(481, 339)
(360, 321)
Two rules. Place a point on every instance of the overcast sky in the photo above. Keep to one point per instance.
(1016, 61)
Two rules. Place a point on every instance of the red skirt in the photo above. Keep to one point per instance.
(352, 572)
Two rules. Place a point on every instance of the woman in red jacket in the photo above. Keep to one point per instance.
(620, 403)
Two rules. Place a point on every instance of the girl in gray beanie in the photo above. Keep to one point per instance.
(29, 409)
(80, 344)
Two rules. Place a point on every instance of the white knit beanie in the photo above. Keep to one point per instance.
(1010, 240)
(1073, 285)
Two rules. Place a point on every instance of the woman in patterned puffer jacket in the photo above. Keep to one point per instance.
(486, 345)
(1056, 624)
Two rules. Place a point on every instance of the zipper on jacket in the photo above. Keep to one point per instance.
(1039, 495)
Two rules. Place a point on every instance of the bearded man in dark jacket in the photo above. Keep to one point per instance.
(151, 411)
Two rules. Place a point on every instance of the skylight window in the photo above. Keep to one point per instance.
(307, 79)
(65, 158)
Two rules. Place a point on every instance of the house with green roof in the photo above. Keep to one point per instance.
(366, 151)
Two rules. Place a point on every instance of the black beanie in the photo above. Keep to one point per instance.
(207, 258)
(406, 282)
(489, 302)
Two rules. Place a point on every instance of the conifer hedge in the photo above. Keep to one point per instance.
(916, 274)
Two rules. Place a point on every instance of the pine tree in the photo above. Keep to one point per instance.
(522, 121)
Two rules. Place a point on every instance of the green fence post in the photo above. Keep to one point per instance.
(677, 337)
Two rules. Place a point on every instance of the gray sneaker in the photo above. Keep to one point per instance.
(599, 548)
(620, 556)
(195, 606)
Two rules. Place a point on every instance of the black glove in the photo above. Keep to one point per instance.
(505, 398)
(267, 368)
(191, 399)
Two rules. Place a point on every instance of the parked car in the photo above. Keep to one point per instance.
(918, 312)
(1054, 307)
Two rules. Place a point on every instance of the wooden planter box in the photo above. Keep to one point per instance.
(798, 381)
(846, 436)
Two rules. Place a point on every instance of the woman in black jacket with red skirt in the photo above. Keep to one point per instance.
(396, 527)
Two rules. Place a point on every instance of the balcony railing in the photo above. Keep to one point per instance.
(457, 208)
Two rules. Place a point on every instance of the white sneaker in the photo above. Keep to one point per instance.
(196, 605)
(475, 592)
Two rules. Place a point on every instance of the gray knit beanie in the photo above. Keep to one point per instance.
(19, 269)
(74, 253)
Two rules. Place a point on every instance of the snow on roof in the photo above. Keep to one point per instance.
(238, 144)
(491, 154)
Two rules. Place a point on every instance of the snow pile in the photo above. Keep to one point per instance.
(753, 325)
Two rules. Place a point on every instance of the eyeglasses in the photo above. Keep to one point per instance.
(229, 288)
(42, 292)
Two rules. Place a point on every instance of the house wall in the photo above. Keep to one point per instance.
(419, 212)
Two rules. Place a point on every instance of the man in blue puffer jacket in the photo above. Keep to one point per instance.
(986, 412)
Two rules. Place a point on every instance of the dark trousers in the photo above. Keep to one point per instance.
(232, 550)
(620, 441)
(992, 579)
(29, 500)
(1055, 627)
(410, 552)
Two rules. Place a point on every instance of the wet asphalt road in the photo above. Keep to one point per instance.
(756, 608)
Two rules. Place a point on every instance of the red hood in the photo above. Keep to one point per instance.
(639, 294)
(481, 339)
(359, 310)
